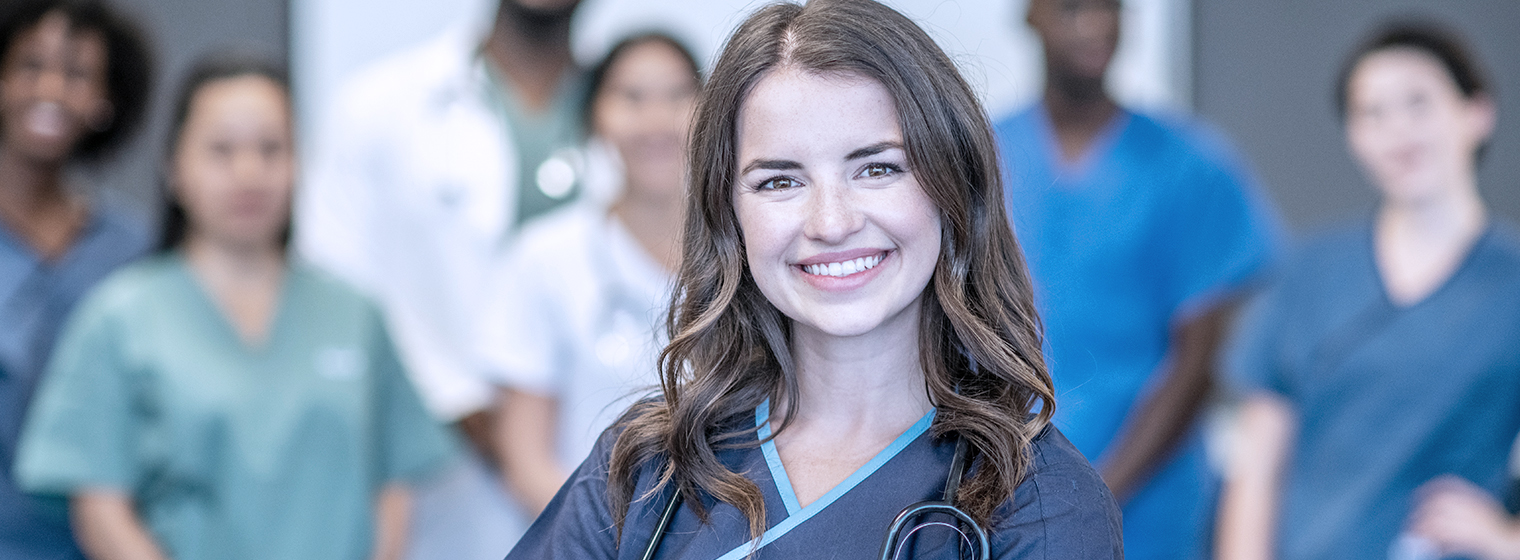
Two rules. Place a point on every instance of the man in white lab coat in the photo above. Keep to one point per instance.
(425, 167)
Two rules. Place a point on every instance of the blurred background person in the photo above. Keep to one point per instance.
(74, 81)
(573, 332)
(432, 160)
(223, 400)
(1140, 231)
(1386, 354)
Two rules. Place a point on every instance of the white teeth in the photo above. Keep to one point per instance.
(845, 268)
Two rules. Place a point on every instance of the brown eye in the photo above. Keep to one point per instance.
(877, 170)
(776, 183)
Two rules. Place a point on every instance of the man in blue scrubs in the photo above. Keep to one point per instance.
(1140, 232)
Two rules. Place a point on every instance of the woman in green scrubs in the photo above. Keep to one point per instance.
(223, 400)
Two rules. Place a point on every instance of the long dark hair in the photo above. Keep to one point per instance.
(217, 66)
(979, 335)
(129, 61)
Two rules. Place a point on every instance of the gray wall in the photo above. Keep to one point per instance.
(1264, 71)
(180, 30)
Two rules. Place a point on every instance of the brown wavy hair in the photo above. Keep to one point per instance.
(979, 334)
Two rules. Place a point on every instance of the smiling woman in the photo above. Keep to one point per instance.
(852, 321)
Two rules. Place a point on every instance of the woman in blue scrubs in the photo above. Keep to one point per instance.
(851, 303)
(1388, 353)
(223, 400)
(74, 81)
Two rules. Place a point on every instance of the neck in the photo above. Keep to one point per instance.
(1077, 101)
(531, 52)
(1456, 217)
(655, 221)
(28, 188)
(224, 264)
(863, 382)
(1079, 110)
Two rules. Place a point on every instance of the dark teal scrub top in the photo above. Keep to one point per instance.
(1061, 510)
(1388, 397)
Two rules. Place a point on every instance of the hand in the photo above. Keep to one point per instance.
(1462, 519)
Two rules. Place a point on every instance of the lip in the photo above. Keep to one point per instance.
(841, 256)
(843, 283)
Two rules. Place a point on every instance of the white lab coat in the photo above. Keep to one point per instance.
(411, 198)
(580, 320)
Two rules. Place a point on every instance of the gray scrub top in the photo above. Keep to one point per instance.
(36, 296)
(230, 451)
(1387, 397)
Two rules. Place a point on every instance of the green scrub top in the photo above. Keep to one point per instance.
(230, 451)
(541, 136)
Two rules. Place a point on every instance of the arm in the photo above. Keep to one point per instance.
(525, 434)
(1248, 504)
(393, 515)
(1465, 521)
(1159, 423)
(108, 528)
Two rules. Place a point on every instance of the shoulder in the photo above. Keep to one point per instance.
(1018, 125)
(1329, 250)
(1187, 142)
(1062, 509)
(126, 234)
(563, 230)
(135, 284)
(333, 295)
(1505, 239)
(406, 79)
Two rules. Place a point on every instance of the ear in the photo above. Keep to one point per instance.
(1483, 116)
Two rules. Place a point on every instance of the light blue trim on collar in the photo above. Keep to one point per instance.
(864, 472)
(773, 460)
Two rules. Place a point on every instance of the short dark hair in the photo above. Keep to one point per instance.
(1438, 40)
(214, 67)
(129, 61)
(598, 77)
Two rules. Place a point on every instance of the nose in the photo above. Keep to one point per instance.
(833, 213)
(52, 83)
(247, 166)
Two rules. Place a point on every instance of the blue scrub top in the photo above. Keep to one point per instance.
(1387, 396)
(36, 297)
(1157, 222)
(1061, 510)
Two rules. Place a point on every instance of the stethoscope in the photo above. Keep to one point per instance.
(895, 532)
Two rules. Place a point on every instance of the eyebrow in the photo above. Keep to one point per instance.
(784, 164)
(872, 150)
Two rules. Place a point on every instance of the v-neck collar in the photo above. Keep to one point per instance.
(215, 314)
(1467, 261)
(1078, 172)
(15, 251)
(797, 515)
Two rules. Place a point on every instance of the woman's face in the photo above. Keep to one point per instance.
(644, 110)
(235, 164)
(838, 234)
(52, 90)
(1410, 128)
